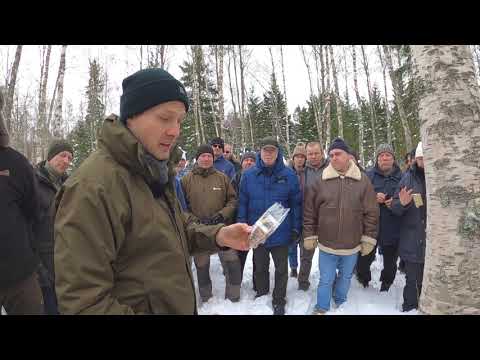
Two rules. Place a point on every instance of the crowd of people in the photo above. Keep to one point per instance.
(121, 234)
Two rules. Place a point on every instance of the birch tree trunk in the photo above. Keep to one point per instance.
(231, 89)
(397, 96)
(318, 54)
(338, 101)
(312, 96)
(196, 95)
(345, 74)
(387, 110)
(450, 129)
(287, 127)
(327, 117)
(163, 56)
(359, 104)
(11, 88)
(221, 98)
(369, 89)
(57, 118)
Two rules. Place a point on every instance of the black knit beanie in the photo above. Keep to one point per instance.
(203, 149)
(269, 141)
(338, 143)
(148, 88)
(218, 141)
(57, 146)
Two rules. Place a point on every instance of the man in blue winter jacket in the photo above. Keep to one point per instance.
(270, 181)
(220, 163)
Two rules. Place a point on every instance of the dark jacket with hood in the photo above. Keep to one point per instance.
(389, 224)
(413, 220)
(46, 195)
(261, 187)
(18, 212)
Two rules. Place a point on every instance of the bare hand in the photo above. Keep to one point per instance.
(235, 236)
(388, 203)
(380, 198)
(405, 196)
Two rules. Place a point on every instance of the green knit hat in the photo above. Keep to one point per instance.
(57, 146)
(148, 88)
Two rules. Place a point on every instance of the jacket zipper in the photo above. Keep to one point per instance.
(171, 214)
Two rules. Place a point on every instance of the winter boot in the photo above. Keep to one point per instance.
(303, 286)
(278, 309)
(385, 286)
(317, 311)
(293, 273)
(233, 280)
(362, 281)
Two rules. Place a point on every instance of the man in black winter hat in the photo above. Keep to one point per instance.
(122, 243)
(220, 163)
(51, 174)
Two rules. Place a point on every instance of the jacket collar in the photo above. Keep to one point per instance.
(197, 170)
(322, 165)
(277, 167)
(125, 148)
(396, 172)
(353, 172)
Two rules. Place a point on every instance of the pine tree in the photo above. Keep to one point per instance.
(84, 135)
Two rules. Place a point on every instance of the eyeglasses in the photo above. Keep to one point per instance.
(217, 146)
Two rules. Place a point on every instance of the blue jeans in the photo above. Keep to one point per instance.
(293, 256)
(328, 264)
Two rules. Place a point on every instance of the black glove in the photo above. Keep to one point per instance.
(217, 219)
(214, 220)
(294, 238)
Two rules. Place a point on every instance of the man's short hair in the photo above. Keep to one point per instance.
(314, 143)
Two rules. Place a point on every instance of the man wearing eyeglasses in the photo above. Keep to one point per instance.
(230, 156)
(220, 163)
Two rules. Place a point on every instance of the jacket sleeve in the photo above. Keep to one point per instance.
(228, 212)
(310, 211)
(243, 198)
(201, 238)
(371, 212)
(180, 195)
(397, 208)
(295, 204)
(88, 231)
(231, 172)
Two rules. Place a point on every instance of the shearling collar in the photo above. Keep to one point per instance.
(353, 172)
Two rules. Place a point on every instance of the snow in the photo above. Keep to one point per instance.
(361, 301)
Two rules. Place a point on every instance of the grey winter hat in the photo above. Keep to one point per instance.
(384, 148)
(269, 141)
(248, 155)
(4, 137)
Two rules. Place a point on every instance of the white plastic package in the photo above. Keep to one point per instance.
(267, 224)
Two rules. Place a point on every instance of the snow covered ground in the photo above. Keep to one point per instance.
(360, 301)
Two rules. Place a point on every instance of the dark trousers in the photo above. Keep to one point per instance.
(413, 285)
(242, 255)
(24, 298)
(390, 257)
(261, 259)
(50, 300)
(306, 257)
(363, 266)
